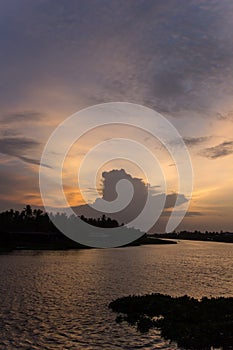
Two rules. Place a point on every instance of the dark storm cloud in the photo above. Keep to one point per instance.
(141, 191)
(221, 150)
(174, 55)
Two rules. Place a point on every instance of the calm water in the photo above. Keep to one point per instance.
(58, 300)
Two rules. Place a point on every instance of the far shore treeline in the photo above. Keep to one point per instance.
(36, 220)
(32, 229)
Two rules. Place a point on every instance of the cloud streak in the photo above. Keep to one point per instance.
(195, 141)
(19, 147)
(219, 151)
(22, 117)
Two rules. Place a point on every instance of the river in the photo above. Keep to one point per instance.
(59, 299)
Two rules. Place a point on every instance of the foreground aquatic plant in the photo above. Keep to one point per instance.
(191, 323)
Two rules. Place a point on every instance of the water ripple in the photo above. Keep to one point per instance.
(58, 300)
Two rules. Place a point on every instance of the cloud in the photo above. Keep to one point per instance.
(190, 213)
(221, 150)
(14, 146)
(9, 133)
(190, 141)
(109, 183)
(19, 147)
(137, 203)
(22, 117)
(111, 178)
(33, 161)
(195, 141)
(173, 56)
(171, 200)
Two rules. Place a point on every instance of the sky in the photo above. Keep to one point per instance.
(174, 56)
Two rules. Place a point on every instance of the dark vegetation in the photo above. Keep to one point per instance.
(36, 220)
(191, 323)
(226, 237)
(33, 229)
(101, 222)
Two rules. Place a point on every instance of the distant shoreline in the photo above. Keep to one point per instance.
(221, 237)
(10, 241)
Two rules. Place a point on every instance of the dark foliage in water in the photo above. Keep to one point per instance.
(191, 323)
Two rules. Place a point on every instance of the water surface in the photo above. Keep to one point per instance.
(58, 300)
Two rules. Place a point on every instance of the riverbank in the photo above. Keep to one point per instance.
(56, 241)
(223, 237)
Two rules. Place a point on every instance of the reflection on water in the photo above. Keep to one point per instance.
(58, 300)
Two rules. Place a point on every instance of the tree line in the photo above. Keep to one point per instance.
(36, 220)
